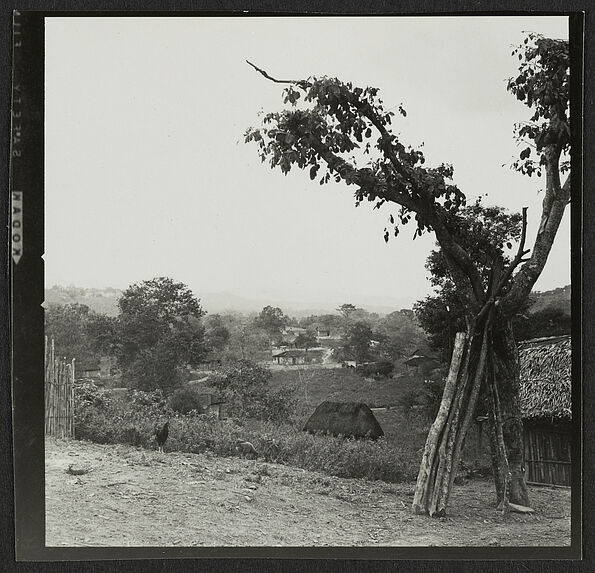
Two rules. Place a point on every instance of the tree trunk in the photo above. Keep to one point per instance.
(438, 433)
(495, 455)
(493, 357)
(502, 476)
(507, 377)
(442, 451)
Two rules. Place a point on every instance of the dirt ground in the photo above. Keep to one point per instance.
(134, 497)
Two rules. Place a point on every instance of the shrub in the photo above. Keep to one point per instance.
(101, 417)
(185, 400)
(86, 393)
(433, 390)
(341, 457)
(425, 400)
(200, 433)
(408, 402)
(154, 399)
(132, 419)
(245, 387)
(380, 369)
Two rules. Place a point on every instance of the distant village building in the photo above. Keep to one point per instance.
(296, 356)
(106, 366)
(207, 366)
(88, 369)
(290, 333)
(97, 369)
(424, 362)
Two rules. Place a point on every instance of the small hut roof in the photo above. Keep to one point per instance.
(298, 353)
(545, 378)
(353, 419)
(293, 353)
(418, 359)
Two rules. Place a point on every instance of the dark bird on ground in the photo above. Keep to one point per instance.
(77, 471)
(161, 435)
(246, 449)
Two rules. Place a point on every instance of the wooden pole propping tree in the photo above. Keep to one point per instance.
(424, 499)
(472, 364)
(339, 120)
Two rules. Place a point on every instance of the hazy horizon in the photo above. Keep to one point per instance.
(221, 302)
(147, 173)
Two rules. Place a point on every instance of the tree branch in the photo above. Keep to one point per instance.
(363, 107)
(554, 205)
(457, 255)
(268, 77)
(351, 174)
(497, 285)
(518, 259)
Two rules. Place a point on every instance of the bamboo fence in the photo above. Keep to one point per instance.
(59, 394)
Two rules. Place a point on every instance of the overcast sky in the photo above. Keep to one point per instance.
(147, 173)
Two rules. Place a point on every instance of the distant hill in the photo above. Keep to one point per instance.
(221, 302)
(558, 298)
(104, 301)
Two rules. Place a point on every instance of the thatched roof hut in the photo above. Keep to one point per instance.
(546, 406)
(545, 391)
(350, 419)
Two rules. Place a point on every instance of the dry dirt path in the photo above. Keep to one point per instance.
(143, 498)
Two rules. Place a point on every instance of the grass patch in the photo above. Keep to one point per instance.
(131, 420)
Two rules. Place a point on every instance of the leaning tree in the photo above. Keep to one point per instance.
(330, 133)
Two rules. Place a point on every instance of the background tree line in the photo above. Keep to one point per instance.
(159, 317)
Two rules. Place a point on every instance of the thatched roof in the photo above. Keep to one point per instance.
(299, 353)
(291, 353)
(421, 360)
(546, 390)
(352, 419)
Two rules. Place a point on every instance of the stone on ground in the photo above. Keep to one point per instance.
(520, 508)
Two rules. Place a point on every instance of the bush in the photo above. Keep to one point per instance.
(425, 400)
(201, 433)
(245, 387)
(86, 394)
(102, 417)
(131, 420)
(380, 369)
(433, 390)
(185, 400)
(341, 457)
(409, 401)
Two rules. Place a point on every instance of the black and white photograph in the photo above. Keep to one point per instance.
(307, 282)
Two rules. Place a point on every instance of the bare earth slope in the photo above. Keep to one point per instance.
(143, 498)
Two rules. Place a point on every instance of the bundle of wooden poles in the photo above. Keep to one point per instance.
(59, 393)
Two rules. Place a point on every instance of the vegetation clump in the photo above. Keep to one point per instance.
(131, 419)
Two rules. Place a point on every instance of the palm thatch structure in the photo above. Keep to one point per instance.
(546, 406)
(349, 419)
(545, 391)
